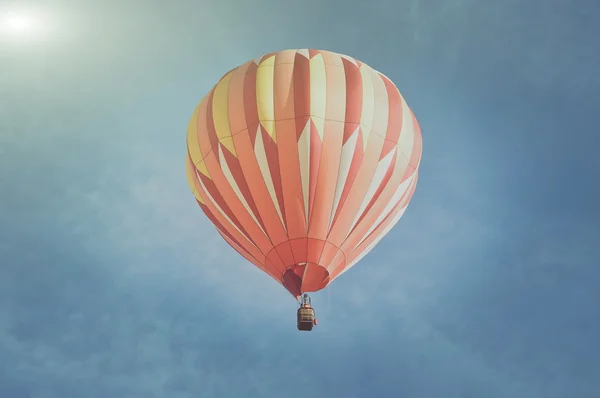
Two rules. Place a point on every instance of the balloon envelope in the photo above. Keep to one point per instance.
(303, 160)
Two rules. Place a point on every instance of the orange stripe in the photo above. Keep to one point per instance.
(211, 188)
(352, 172)
(226, 226)
(274, 262)
(394, 122)
(250, 104)
(301, 92)
(291, 185)
(372, 214)
(274, 168)
(315, 250)
(236, 171)
(384, 183)
(236, 100)
(354, 98)
(353, 112)
(258, 188)
(287, 145)
(210, 135)
(326, 180)
(328, 254)
(377, 231)
(300, 249)
(357, 192)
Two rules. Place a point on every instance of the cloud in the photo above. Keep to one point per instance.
(112, 283)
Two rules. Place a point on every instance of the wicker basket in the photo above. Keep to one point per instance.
(306, 318)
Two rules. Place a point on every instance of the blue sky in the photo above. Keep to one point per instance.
(113, 284)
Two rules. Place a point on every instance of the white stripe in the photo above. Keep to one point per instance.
(396, 198)
(348, 151)
(303, 52)
(407, 133)
(235, 187)
(304, 158)
(371, 246)
(347, 58)
(214, 202)
(380, 172)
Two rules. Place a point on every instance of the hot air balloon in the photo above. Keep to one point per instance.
(303, 160)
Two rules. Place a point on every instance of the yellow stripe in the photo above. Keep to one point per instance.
(192, 180)
(192, 135)
(201, 167)
(318, 93)
(265, 78)
(220, 110)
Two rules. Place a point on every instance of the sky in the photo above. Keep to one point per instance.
(114, 284)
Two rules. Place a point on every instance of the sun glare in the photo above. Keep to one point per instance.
(20, 24)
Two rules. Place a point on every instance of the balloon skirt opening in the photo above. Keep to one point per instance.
(305, 277)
